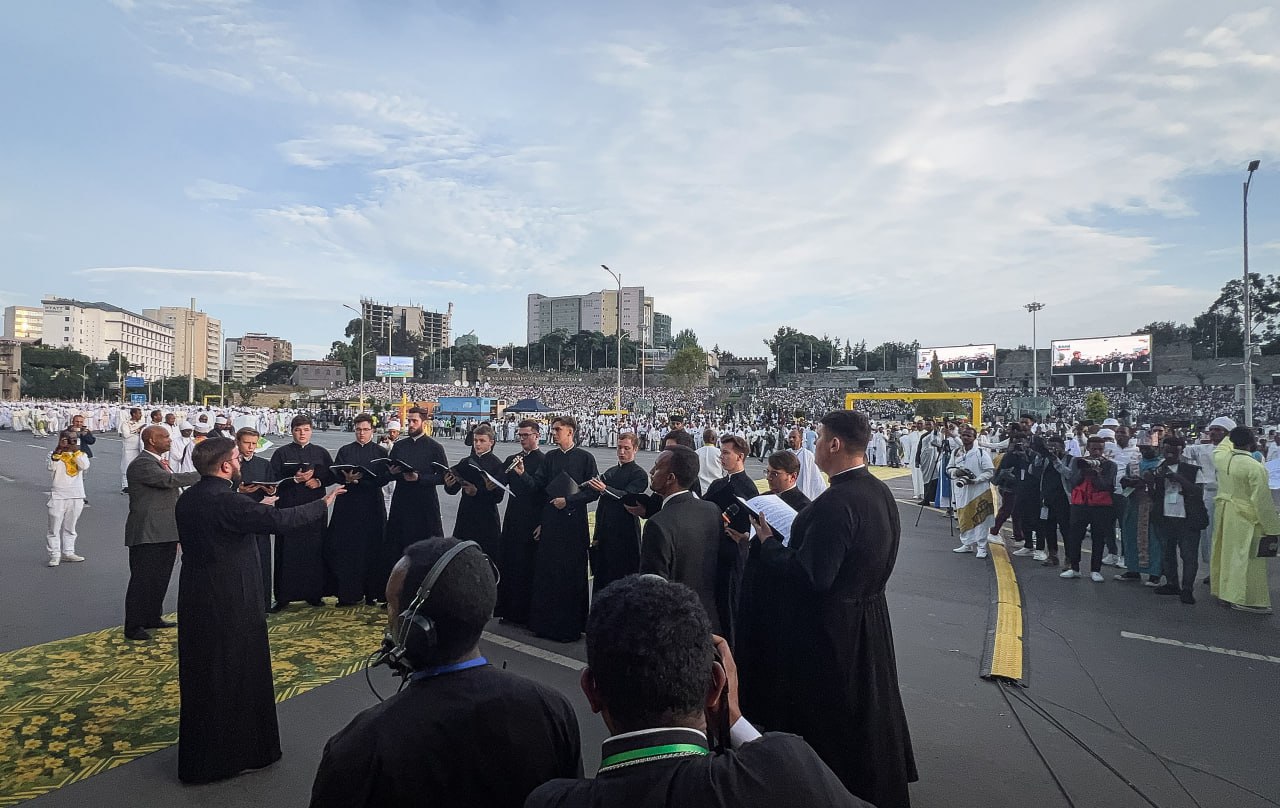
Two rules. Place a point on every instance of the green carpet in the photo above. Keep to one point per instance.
(79, 706)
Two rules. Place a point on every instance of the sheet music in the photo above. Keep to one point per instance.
(777, 513)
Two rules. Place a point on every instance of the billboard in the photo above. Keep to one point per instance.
(1128, 354)
(958, 361)
(400, 367)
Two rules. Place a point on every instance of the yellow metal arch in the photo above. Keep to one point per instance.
(974, 399)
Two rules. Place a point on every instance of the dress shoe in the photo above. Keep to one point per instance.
(1186, 597)
(138, 633)
(1126, 576)
(1051, 561)
(1167, 589)
(278, 607)
(316, 602)
(164, 624)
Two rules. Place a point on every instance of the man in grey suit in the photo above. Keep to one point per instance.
(151, 532)
(681, 542)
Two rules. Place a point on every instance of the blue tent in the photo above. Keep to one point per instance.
(528, 405)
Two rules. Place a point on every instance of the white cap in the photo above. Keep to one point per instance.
(1224, 422)
(1105, 433)
(1111, 422)
(203, 428)
(183, 426)
(393, 424)
(221, 419)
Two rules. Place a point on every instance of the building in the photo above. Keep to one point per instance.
(468, 338)
(97, 329)
(597, 311)
(197, 341)
(280, 350)
(432, 327)
(318, 374)
(743, 368)
(661, 334)
(23, 323)
(10, 369)
(247, 364)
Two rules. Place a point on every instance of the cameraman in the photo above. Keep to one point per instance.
(1051, 472)
(1093, 480)
(667, 691)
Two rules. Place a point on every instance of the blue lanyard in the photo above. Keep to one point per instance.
(430, 673)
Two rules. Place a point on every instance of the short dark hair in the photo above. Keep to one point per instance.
(784, 461)
(850, 426)
(1176, 440)
(462, 599)
(649, 651)
(679, 437)
(362, 418)
(1242, 437)
(684, 465)
(567, 420)
(299, 420)
(211, 453)
(738, 443)
(708, 436)
(247, 430)
(418, 411)
(530, 423)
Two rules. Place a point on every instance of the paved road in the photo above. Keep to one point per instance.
(1111, 665)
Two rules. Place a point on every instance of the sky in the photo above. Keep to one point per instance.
(909, 171)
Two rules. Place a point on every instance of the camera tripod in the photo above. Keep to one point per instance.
(950, 511)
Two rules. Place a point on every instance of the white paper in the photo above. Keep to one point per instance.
(493, 479)
(777, 513)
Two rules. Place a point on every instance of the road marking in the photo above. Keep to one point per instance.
(37, 446)
(7, 479)
(535, 651)
(1195, 646)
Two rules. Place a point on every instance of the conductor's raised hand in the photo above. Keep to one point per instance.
(334, 494)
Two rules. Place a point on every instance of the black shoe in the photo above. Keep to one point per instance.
(278, 607)
(1186, 597)
(163, 624)
(1051, 561)
(316, 602)
(348, 603)
(138, 633)
(1167, 589)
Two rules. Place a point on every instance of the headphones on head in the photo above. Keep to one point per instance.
(415, 635)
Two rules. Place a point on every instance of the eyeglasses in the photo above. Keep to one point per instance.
(526, 434)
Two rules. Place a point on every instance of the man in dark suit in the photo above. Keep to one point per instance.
(254, 469)
(725, 493)
(682, 541)
(654, 677)
(150, 532)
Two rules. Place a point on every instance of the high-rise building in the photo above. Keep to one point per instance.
(597, 311)
(661, 334)
(197, 341)
(23, 323)
(97, 329)
(246, 364)
(10, 370)
(432, 327)
(280, 350)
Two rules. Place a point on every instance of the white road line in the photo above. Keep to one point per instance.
(37, 446)
(535, 651)
(1195, 646)
(7, 479)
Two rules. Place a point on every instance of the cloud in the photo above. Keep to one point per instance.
(208, 76)
(209, 190)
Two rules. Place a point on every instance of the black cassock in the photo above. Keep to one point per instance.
(839, 650)
(517, 549)
(764, 615)
(478, 516)
(558, 610)
(353, 548)
(258, 469)
(415, 506)
(772, 771)
(228, 709)
(616, 552)
(477, 737)
(724, 492)
(299, 572)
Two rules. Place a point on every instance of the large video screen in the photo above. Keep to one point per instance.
(397, 367)
(958, 361)
(1128, 354)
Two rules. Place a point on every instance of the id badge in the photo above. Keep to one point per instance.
(1044, 512)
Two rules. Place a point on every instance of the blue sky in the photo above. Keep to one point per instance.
(914, 172)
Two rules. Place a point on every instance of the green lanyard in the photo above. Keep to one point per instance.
(671, 750)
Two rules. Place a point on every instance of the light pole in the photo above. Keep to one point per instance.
(1247, 324)
(617, 395)
(361, 316)
(1034, 307)
(191, 362)
(84, 379)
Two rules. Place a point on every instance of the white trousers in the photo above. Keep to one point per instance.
(977, 536)
(917, 482)
(131, 452)
(63, 515)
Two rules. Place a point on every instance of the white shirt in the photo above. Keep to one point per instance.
(709, 467)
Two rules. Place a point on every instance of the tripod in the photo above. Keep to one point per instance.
(943, 452)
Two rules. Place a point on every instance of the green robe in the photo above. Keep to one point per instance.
(1245, 513)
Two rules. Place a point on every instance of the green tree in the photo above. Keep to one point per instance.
(688, 368)
(685, 339)
(1096, 406)
(276, 373)
(934, 384)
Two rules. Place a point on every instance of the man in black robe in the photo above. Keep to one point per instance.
(839, 654)
(725, 492)
(460, 732)
(415, 505)
(560, 598)
(654, 677)
(477, 518)
(353, 550)
(518, 546)
(299, 568)
(615, 553)
(227, 720)
(255, 469)
(764, 611)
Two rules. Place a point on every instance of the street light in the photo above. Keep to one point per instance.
(1034, 307)
(1247, 325)
(84, 378)
(617, 396)
(362, 353)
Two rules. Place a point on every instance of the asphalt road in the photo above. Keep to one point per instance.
(1124, 686)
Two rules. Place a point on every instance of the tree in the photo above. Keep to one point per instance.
(794, 350)
(685, 339)
(1096, 406)
(687, 368)
(276, 373)
(934, 384)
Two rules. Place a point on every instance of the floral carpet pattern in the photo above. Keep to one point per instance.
(72, 708)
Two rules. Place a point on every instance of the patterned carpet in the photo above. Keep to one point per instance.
(79, 706)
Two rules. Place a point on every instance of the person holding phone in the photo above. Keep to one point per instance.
(68, 464)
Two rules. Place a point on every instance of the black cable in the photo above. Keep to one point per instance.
(368, 678)
(1061, 788)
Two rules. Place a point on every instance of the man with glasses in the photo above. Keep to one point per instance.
(518, 545)
(353, 540)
